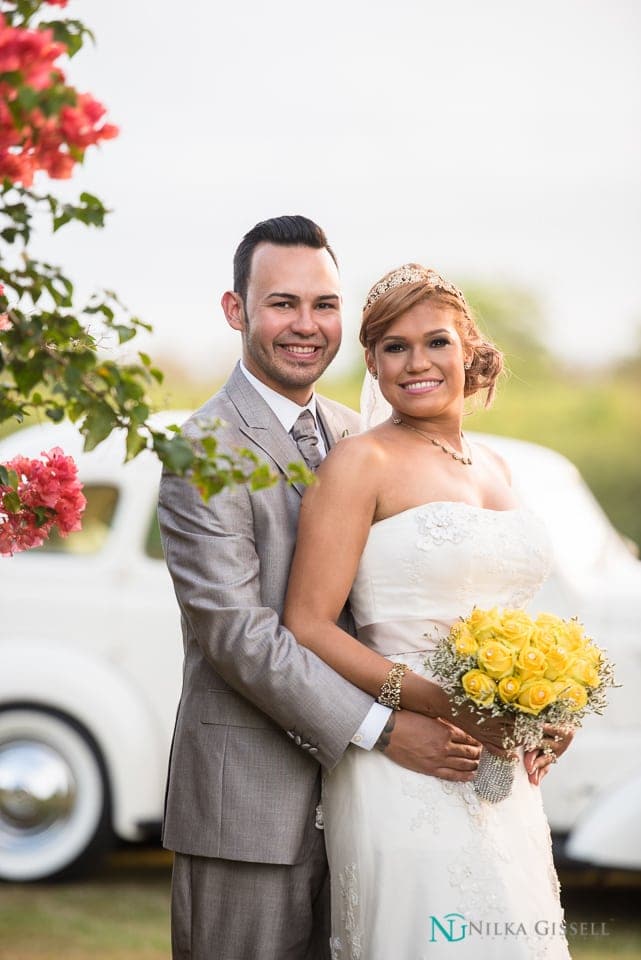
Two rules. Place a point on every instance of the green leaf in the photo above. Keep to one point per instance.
(175, 452)
(27, 375)
(60, 221)
(209, 445)
(11, 502)
(97, 425)
(262, 477)
(55, 413)
(139, 413)
(135, 443)
(42, 515)
(299, 473)
(124, 333)
(4, 476)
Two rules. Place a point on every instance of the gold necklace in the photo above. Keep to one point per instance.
(461, 457)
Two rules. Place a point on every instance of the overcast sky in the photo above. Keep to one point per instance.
(496, 141)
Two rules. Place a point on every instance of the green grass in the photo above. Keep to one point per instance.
(611, 899)
(122, 913)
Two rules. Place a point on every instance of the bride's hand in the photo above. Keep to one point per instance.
(556, 740)
(493, 732)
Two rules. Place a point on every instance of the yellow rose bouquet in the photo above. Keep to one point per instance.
(533, 671)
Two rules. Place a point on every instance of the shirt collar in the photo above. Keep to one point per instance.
(283, 408)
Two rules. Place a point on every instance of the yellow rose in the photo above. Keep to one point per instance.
(535, 695)
(573, 636)
(592, 653)
(463, 639)
(549, 622)
(575, 693)
(516, 628)
(509, 688)
(496, 658)
(531, 663)
(559, 660)
(484, 624)
(479, 687)
(542, 639)
(585, 672)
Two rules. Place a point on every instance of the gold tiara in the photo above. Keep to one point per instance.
(412, 273)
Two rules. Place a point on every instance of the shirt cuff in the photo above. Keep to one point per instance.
(372, 726)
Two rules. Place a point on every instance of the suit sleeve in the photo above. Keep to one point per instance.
(211, 554)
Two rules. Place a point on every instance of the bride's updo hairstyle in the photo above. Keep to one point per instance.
(401, 289)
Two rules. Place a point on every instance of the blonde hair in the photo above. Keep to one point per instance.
(382, 309)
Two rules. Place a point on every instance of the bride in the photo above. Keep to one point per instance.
(417, 525)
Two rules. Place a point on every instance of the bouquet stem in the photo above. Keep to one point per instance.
(494, 777)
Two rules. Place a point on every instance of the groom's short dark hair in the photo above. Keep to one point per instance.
(294, 231)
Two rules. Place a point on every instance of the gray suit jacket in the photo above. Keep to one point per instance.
(258, 712)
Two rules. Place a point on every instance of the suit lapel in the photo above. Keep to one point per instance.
(262, 426)
(332, 426)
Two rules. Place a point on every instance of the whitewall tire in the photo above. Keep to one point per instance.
(53, 796)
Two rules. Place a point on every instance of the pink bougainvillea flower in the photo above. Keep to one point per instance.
(50, 494)
(34, 137)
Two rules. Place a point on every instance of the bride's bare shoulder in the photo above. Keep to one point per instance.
(363, 450)
(495, 461)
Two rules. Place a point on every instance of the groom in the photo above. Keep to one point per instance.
(259, 714)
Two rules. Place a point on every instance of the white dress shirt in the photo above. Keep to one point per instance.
(288, 412)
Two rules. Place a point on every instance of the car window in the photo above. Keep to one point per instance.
(153, 545)
(96, 523)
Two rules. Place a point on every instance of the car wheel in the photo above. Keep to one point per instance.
(54, 799)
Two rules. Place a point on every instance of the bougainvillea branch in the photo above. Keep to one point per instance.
(57, 357)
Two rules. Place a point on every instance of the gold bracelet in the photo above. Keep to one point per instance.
(390, 695)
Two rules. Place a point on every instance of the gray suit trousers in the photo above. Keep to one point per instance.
(236, 910)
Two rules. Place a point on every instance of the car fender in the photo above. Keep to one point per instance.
(93, 692)
(609, 832)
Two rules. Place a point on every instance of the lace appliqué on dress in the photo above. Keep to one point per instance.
(451, 523)
(437, 523)
(352, 948)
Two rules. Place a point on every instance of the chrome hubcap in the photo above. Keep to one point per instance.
(37, 788)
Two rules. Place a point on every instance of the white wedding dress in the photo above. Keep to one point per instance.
(421, 868)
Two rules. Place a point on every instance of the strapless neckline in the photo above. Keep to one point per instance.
(449, 503)
(435, 561)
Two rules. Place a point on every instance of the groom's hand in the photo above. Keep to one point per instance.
(430, 746)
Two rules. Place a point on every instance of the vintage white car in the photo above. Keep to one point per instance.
(91, 660)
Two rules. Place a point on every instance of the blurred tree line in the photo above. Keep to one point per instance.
(592, 417)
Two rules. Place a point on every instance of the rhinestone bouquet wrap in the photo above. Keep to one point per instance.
(494, 777)
(503, 663)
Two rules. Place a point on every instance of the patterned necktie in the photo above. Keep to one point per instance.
(304, 433)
